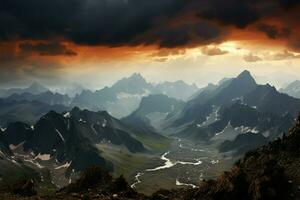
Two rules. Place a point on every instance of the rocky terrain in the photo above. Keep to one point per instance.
(269, 172)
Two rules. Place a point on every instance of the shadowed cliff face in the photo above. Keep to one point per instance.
(269, 172)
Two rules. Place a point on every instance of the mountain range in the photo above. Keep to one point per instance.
(235, 109)
(269, 172)
(119, 100)
(124, 96)
(52, 138)
(68, 143)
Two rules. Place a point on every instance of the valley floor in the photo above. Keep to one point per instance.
(184, 164)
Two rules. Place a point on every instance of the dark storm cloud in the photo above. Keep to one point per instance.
(272, 31)
(132, 22)
(288, 4)
(200, 33)
(108, 22)
(231, 12)
(37, 19)
(47, 49)
(174, 37)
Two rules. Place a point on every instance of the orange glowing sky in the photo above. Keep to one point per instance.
(170, 40)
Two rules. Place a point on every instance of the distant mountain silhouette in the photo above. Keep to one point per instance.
(293, 89)
(34, 88)
(178, 89)
(25, 111)
(122, 98)
(45, 97)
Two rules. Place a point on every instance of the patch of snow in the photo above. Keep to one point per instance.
(3, 129)
(228, 133)
(254, 130)
(66, 165)
(60, 135)
(104, 123)
(32, 127)
(80, 120)
(34, 163)
(67, 115)
(211, 118)
(246, 129)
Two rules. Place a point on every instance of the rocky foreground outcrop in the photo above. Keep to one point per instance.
(269, 172)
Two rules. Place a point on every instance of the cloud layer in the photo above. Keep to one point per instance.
(168, 23)
(37, 34)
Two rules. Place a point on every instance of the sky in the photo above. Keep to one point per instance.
(96, 42)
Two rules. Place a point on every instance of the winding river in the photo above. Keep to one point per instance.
(184, 165)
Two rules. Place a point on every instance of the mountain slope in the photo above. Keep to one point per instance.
(227, 115)
(267, 99)
(228, 122)
(64, 145)
(293, 89)
(153, 111)
(198, 108)
(75, 138)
